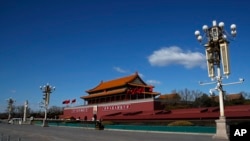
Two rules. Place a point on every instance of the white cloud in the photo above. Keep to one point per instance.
(153, 82)
(118, 69)
(175, 55)
(13, 91)
(141, 75)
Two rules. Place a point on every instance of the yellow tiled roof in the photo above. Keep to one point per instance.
(169, 96)
(140, 85)
(113, 92)
(114, 83)
(104, 93)
(234, 96)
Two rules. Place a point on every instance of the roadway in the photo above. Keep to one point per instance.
(38, 133)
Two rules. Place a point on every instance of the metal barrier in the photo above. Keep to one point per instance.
(184, 129)
(9, 138)
(19, 121)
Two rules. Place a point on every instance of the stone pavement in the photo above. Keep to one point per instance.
(38, 133)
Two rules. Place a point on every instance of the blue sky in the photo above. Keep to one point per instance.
(74, 44)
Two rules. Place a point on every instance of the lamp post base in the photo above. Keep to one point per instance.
(221, 130)
(45, 123)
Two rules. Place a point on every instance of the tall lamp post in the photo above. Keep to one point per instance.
(10, 107)
(47, 90)
(217, 54)
(25, 110)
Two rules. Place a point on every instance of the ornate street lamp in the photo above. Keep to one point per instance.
(47, 90)
(217, 54)
(10, 107)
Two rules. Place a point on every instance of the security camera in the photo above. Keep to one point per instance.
(241, 79)
(211, 92)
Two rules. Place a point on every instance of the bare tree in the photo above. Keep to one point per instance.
(55, 111)
(246, 95)
(18, 111)
(186, 95)
(196, 94)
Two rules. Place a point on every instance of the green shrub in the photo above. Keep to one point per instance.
(181, 123)
(107, 123)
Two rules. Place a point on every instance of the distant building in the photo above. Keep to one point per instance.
(126, 94)
(230, 97)
(169, 98)
(129, 99)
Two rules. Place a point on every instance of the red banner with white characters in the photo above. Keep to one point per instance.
(80, 110)
(137, 90)
(116, 107)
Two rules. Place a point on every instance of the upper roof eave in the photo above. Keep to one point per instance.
(114, 83)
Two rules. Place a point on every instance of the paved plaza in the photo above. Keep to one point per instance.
(38, 133)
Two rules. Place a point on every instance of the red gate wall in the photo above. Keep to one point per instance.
(87, 112)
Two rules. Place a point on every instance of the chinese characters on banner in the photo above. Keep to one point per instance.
(80, 110)
(116, 107)
(138, 90)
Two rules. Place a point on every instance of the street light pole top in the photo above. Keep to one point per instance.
(215, 30)
(205, 28)
(47, 88)
(10, 100)
(214, 23)
(233, 26)
(221, 24)
(197, 33)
